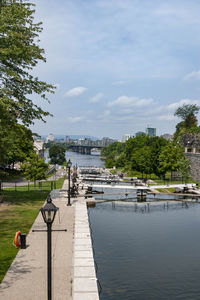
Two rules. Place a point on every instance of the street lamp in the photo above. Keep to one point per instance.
(48, 213)
(69, 164)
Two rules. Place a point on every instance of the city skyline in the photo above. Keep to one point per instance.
(119, 66)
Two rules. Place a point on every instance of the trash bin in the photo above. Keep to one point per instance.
(23, 240)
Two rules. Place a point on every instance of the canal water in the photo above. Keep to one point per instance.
(84, 160)
(144, 252)
(147, 254)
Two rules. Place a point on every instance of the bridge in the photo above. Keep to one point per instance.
(84, 149)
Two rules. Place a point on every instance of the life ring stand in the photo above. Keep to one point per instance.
(17, 240)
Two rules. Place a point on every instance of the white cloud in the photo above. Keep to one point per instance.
(75, 92)
(193, 75)
(104, 116)
(166, 117)
(126, 101)
(75, 119)
(120, 82)
(175, 105)
(96, 98)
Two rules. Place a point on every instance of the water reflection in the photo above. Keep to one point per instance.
(147, 254)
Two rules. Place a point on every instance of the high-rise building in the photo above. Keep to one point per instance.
(139, 133)
(151, 131)
(125, 137)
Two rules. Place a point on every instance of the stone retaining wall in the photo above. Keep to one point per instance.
(195, 165)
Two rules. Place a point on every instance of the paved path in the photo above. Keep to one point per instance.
(27, 277)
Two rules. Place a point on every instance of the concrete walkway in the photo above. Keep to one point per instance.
(27, 277)
(85, 281)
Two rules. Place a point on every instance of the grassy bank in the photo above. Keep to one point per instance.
(18, 212)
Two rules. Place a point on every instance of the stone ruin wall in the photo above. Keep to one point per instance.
(194, 159)
(191, 142)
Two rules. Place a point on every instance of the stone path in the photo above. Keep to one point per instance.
(27, 277)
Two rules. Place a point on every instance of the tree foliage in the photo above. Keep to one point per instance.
(19, 54)
(184, 168)
(170, 157)
(187, 113)
(16, 144)
(34, 168)
(140, 153)
(57, 154)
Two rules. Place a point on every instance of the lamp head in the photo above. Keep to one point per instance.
(49, 212)
(69, 163)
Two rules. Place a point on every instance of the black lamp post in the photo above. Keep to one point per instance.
(69, 164)
(48, 213)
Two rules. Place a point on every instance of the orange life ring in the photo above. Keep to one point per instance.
(17, 239)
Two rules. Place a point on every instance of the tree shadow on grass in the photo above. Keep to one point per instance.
(24, 197)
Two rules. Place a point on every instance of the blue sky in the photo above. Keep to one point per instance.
(119, 65)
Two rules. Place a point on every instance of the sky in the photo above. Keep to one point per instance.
(118, 65)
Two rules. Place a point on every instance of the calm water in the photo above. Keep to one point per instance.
(147, 255)
(84, 160)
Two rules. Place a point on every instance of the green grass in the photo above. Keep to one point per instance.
(161, 182)
(20, 214)
(171, 190)
(45, 186)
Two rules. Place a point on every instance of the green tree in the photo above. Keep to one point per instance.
(157, 144)
(16, 144)
(141, 160)
(19, 54)
(188, 113)
(170, 157)
(34, 168)
(57, 154)
(184, 168)
(112, 154)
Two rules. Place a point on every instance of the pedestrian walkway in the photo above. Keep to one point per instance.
(85, 281)
(27, 277)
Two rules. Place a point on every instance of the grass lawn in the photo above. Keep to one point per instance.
(162, 182)
(171, 190)
(19, 214)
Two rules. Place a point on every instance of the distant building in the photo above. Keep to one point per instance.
(85, 142)
(125, 137)
(50, 138)
(151, 131)
(167, 136)
(105, 141)
(39, 147)
(139, 133)
(99, 143)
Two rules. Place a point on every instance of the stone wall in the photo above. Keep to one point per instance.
(194, 159)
